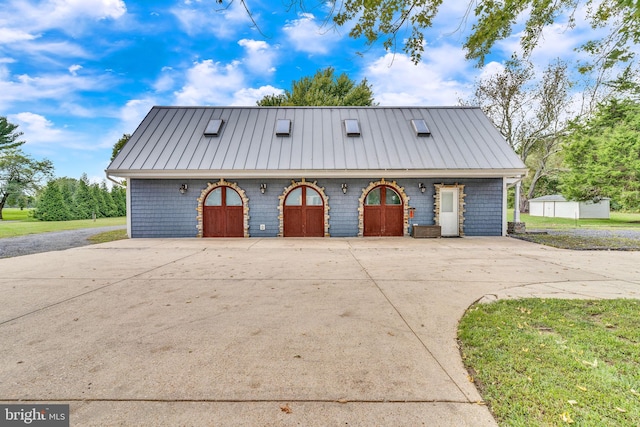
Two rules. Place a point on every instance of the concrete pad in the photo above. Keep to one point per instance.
(91, 262)
(276, 414)
(263, 263)
(357, 331)
(23, 296)
(294, 340)
(569, 290)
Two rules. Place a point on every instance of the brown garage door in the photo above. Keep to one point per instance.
(383, 213)
(303, 213)
(223, 213)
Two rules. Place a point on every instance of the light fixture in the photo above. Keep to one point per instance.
(422, 187)
(344, 188)
(263, 187)
(183, 188)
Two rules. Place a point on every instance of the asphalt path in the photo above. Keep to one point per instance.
(46, 242)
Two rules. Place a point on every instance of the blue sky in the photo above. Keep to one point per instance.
(77, 74)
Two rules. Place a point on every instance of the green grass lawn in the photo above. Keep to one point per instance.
(555, 362)
(616, 220)
(18, 223)
(15, 214)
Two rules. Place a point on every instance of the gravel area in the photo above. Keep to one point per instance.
(45, 242)
(588, 232)
(585, 238)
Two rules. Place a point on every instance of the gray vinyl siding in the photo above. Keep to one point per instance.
(483, 216)
(159, 210)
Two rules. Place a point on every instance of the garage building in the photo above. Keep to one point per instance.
(315, 171)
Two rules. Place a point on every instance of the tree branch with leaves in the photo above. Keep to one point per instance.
(20, 174)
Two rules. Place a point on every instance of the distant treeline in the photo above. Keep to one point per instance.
(64, 199)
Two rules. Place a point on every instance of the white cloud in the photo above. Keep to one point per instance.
(27, 88)
(260, 56)
(74, 69)
(250, 96)
(11, 35)
(440, 79)
(209, 18)
(131, 115)
(43, 134)
(67, 15)
(210, 83)
(491, 69)
(166, 81)
(307, 35)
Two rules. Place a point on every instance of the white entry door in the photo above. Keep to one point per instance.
(449, 212)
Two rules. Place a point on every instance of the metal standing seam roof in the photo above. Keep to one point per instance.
(171, 142)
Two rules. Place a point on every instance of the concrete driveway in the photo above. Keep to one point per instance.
(270, 331)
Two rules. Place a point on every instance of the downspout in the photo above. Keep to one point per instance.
(119, 183)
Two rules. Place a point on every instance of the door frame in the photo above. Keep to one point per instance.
(305, 183)
(398, 189)
(460, 205)
(383, 209)
(222, 183)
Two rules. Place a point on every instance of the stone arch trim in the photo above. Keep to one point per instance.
(222, 183)
(301, 183)
(399, 190)
(461, 205)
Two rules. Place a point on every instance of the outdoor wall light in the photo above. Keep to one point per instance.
(183, 188)
(263, 187)
(344, 188)
(422, 187)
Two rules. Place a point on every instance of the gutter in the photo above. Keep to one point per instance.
(110, 178)
(511, 173)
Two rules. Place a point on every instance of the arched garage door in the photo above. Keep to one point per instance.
(383, 212)
(303, 213)
(223, 213)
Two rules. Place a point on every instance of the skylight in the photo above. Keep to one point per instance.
(352, 127)
(213, 128)
(420, 127)
(283, 127)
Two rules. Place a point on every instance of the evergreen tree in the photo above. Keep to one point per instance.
(84, 204)
(67, 188)
(119, 195)
(51, 205)
(8, 135)
(100, 205)
(111, 209)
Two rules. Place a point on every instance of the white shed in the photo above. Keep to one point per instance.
(559, 207)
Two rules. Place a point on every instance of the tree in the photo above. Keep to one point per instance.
(20, 173)
(324, 88)
(119, 145)
(387, 20)
(67, 187)
(51, 204)
(101, 208)
(84, 205)
(603, 156)
(8, 135)
(111, 209)
(119, 195)
(532, 116)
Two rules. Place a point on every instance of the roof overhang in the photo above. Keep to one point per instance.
(318, 173)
